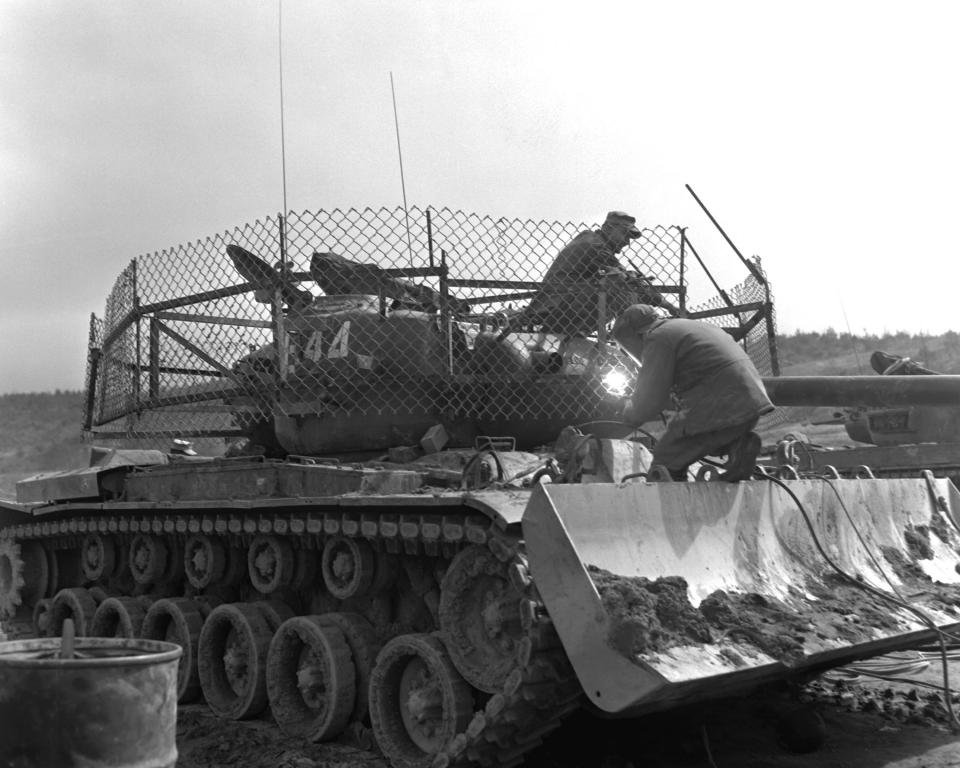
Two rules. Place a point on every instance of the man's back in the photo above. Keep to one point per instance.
(714, 377)
(699, 349)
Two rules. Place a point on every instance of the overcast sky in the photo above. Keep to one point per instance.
(822, 135)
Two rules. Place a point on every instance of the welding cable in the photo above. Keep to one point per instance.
(893, 663)
(893, 587)
(863, 543)
(898, 600)
(928, 649)
(848, 675)
(474, 463)
(884, 668)
(924, 618)
(804, 448)
(706, 745)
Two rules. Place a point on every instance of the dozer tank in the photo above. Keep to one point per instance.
(899, 430)
(459, 604)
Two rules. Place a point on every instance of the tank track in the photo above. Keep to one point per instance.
(538, 693)
(540, 689)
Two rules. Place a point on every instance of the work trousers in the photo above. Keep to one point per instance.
(677, 451)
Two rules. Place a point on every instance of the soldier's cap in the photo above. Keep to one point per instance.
(621, 220)
(635, 319)
(182, 446)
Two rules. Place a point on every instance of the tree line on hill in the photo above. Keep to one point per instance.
(811, 351)
(41, 430)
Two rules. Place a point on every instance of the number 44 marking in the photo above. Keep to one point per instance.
(338, 347)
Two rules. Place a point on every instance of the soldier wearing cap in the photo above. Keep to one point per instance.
(567, 301)
(719, 389)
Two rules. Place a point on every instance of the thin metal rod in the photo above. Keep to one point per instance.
(283, 139)
(276, 307)
(723, 293)
(430, 236)
(683, 264)
(403, 186)
(749, 265)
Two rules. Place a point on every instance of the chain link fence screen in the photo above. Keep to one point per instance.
(349, 331)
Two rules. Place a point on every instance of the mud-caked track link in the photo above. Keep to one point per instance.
(313, 613)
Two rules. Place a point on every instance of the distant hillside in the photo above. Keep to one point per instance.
(829, 353)
(39, 431)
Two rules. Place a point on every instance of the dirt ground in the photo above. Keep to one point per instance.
(866, 724)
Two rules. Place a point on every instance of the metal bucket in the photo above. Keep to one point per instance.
(114, 704)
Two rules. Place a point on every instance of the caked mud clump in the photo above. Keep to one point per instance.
(918, 542)
(648, 615)
(757, 620)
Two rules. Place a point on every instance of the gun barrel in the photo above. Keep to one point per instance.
(867, 391)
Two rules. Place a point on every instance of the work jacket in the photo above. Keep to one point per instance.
(712, 376)
(567, 302)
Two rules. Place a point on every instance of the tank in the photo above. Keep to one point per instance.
(903, 423)
(451, 549)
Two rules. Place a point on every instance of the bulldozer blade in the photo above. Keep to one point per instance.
(762, 577)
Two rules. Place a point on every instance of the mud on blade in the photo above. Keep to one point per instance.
(666, 593)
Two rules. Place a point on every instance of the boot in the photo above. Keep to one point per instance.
(742, 458)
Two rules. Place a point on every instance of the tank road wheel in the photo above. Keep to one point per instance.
(73, 603)
(98, 556)
(347, 566)
(231, 657)
(418, 700)
(362, 641)
(148, 559)
(178, 620)
(24, 575)
(480, 616)
(311, 681)
(11, 578)
(36, 572)
(205, 561)
(271, 563)
(119, 617)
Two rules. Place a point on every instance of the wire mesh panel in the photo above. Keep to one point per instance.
(755, 329)
(346, 331)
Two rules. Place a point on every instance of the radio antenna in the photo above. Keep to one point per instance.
(283, 141)
(403, 186)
